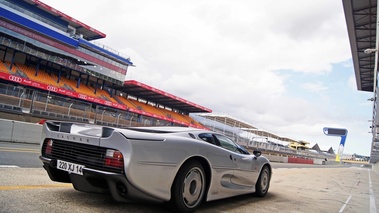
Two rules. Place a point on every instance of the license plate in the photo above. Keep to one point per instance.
(70, 167)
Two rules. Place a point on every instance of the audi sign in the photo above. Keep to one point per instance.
(52, 88)
(81, 96)
(15, 78)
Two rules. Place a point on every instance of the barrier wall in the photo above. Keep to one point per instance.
(283, 159)
(16, 131)
(300, 160)
(319, 161)
(375, 167)
(276, 158)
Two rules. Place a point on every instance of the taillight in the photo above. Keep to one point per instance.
(49, 147)
(114, 158)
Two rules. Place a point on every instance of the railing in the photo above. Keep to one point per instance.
(52, 58)
(23, 48)
(110, 50)
(18, 100)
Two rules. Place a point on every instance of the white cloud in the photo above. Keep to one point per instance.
(314, 86)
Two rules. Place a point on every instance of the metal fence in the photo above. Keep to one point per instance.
(24, 100)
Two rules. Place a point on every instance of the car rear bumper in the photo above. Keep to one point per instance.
(97, 181)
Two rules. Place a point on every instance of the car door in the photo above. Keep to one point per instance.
(247, 170)
(246, 166)
(221, 160)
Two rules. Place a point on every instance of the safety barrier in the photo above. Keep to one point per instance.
(16, 131)
(300, 160)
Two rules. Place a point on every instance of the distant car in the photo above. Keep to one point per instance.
(178, 165)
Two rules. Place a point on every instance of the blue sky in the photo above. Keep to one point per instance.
(282, 66)
(343, 106)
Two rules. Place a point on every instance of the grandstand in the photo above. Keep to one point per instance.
(253, 138)
(51, 67)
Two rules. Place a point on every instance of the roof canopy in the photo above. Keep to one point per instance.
(232, 122)
(157, 96)
(361, 25)
(89, 33)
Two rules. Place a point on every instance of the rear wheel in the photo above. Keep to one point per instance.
(189, 187)
(263, 183)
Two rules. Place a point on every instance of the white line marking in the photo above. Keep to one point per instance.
(344, 205)
(9, 166)
(372, 197)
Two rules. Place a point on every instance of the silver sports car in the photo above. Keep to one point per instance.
(178, 165)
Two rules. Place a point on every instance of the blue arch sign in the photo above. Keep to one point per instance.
(337, 132)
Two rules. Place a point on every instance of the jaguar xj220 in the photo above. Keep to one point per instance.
(176, 165)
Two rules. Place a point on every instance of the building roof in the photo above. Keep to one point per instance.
(151, 94)
(233, 122)
(229, 121)
(89, 33)
(361, 25)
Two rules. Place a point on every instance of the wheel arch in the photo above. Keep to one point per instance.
(207, 169)
(269, 167)
(263, 182)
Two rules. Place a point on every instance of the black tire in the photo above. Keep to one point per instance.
(189, 187)
(263, 183)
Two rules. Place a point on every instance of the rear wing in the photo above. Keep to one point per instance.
(78, 128)
(91, 133)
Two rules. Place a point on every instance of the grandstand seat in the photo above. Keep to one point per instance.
(3, 68)
(12, 70)
(127, 102)
(42, 76)
(83, 89)
(105, 95)
(153, 110)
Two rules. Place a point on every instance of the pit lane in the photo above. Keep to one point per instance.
(314, 189)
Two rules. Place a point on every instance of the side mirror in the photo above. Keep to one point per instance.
(257, 153)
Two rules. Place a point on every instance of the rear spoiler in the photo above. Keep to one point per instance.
(92, 130)
(86, 129)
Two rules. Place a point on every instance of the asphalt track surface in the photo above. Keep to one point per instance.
(294, 188)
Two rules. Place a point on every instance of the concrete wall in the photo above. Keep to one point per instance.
(276, 158)
(17, 131)
(375, 167)
(319, 161)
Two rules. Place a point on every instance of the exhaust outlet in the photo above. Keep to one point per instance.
(121, 188)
